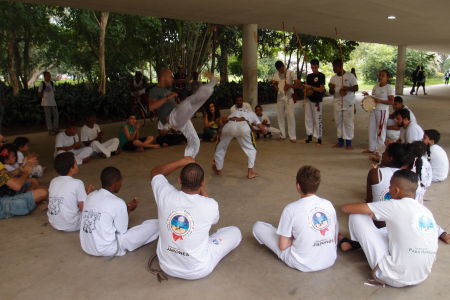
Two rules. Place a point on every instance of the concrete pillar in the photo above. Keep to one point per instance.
(401, 64)
(249, 63)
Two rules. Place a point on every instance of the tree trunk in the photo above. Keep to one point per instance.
(26, 63)
(18, 62)
(12, 73)
(103, 22)
(213, 52)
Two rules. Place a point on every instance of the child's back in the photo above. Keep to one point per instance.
(65, 193)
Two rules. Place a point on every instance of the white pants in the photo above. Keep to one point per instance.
(285, 109)
(266, 234)
(270, 129)
(80, 154)
(344, 122)
(243, 134)
(377, 128)
(138, 236)
(51, 117)
(222, 242)
(374, 242)
(313, 118)
(107, 147)
(183, 112)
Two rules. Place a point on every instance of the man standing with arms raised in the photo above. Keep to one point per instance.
(283, 83)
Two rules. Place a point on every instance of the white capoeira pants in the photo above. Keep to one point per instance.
(345, 126)
(243, 134)
(377, 129)
(374, 242)
(181, 115)
(138, 236)
(266, 234)
(80, 154)
(285, 109)
(107, 147)
(270, 129)
(221, 243)
(313, 118)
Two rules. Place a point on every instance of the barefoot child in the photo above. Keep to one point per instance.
(66, 194)
(185, 248)
(68, 140)
(383, 93)
(92, 136)
(237, 125)
(405, 255)
(129, 136)
(306, 236)
(265, 121)
(104, 221)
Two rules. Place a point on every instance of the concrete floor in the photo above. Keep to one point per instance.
(38, 262)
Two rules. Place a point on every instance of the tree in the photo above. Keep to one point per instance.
(102, 23)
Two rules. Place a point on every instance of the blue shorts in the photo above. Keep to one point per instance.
(17, 205)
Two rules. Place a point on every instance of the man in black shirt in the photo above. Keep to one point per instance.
(315, 89)
(414, 79)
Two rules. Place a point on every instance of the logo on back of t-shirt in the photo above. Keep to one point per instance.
(180, 223)
(89, 220)
(424, 224)
(385, 196)
(320, 221)
(54, 205)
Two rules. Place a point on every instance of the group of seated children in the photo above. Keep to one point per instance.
(306, 239)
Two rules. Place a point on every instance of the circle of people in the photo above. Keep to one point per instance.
(397, 233)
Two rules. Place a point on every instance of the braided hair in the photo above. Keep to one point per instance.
(416, 151)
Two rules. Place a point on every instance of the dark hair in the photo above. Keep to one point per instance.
(337, 62)
(192, 176)
(5, 150)
(433, 135)
(387, 73)
(237, 96)
(45, 73)
(278, 64)
(398, 99)
(72, 123)
(109, 176)
(314, 62)
(63, 162)
(209, 114)
(404, 113)
(130, 114)
(258, 106)
(91, 114)
(308, 178)
(408, 175)
(398, 153)
(21, 141)
(416, 150)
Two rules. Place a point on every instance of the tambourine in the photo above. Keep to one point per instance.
(368, 103)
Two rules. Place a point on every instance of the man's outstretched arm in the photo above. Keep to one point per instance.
(169, 168)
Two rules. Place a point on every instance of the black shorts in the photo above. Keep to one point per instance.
(129, 146)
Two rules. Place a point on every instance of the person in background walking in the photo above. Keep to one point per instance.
(421, 80)
(414, 80)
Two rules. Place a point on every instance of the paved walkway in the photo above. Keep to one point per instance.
(37, 262)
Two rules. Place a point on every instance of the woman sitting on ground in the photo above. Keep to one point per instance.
(129, 136)
(212, 123)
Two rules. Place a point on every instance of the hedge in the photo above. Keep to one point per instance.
(75, 101)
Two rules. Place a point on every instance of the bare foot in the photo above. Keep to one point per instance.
(375, 157)
(344, 246)
(252, 174)
(349, 148)
(367, 151)
(217, 171)
(154, 146)
(445, 237)
(86, 160)
(293, 141)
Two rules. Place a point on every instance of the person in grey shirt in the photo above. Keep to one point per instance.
(178, 116)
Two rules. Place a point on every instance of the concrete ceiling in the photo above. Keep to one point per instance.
(420, 24)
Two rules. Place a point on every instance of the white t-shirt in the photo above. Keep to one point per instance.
(48, 98)
(349, 99)
(413, 240)
(165, 127)
(380, 191)
(412, 117)
(12, 167)
(411, 134)
(104, 216)
(89, 134)
(20, 157)
(383, 93)
(249, 115)
(64, 194)
(64, 140)
(184, 221)
(245, 105)
(439, 163)
(263, 118)
(290, 77)
(312, 222)
(140, 86)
